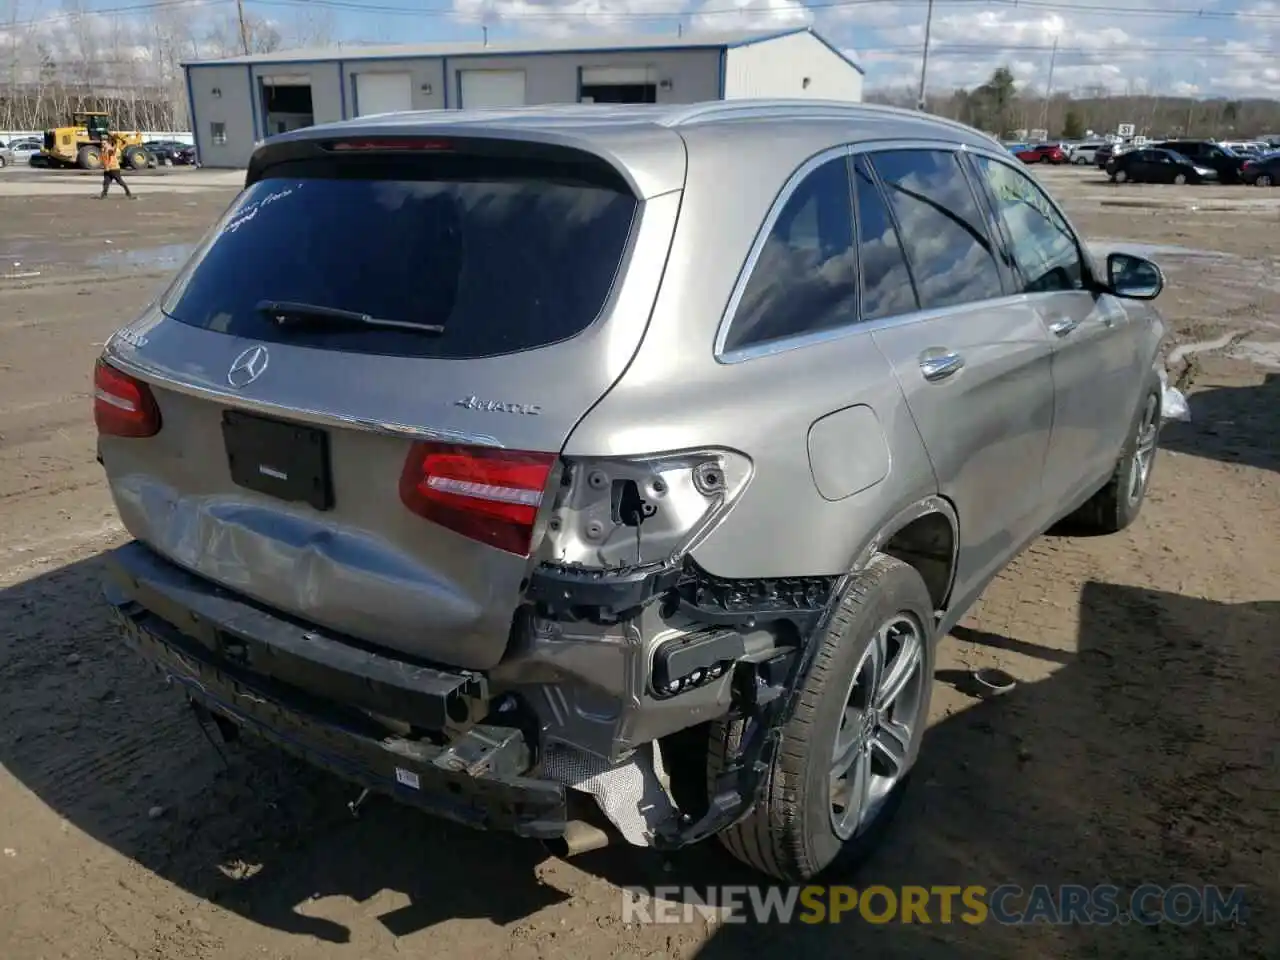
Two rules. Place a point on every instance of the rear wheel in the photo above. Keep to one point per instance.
(1116, 505)
(89, 158)
(1264, 180)
(1180, 179)
(135, 158)
(846, 753)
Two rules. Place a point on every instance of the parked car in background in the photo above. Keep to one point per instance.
(1245, 147)
(1157, 165)
(1084, 153)
(1262, 171)
(1206, 153)
(455, 512)
(1042, 153)
(20, 151)
(168, 152)
(1014, 148)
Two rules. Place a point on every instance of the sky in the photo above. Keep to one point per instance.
(1176, 47)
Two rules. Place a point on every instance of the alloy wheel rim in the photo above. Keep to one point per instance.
(1144, 452)
(872, 748)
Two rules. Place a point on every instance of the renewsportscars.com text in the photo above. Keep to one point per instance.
(1006, 904)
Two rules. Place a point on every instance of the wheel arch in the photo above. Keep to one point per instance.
(926, 536)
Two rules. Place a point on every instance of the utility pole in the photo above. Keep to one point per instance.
(924, 60)
(1048, 89)
(244, 27)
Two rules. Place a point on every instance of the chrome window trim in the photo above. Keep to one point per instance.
(799, 341)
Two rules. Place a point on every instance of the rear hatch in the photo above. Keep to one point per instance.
(348, 404)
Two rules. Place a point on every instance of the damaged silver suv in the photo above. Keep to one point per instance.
(605, 473)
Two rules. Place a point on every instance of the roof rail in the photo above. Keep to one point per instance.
(748, 108)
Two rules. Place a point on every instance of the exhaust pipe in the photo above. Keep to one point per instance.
(579, 837)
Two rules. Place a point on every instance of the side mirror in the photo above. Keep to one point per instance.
(1134, 278)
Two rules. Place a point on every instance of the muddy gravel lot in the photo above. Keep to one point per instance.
(1140, 745)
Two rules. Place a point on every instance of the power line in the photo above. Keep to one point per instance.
(937, 49)
(1051, 5)
(389, 9)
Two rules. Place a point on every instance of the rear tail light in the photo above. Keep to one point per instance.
(487, 494)
(122, 405)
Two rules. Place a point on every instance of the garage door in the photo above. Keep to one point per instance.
(383, 93)
(491, 88)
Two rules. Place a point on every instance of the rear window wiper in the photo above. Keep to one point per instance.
(287, 313)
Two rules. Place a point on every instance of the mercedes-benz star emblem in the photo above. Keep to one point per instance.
(248, 367)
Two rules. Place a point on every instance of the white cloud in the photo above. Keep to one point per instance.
(1137, 46)
(752, 15)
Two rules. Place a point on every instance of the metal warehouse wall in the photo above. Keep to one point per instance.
(553, 77)
(689, 76)
(222, 94)
(779, 67)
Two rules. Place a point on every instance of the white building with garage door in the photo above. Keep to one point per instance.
(237, 102)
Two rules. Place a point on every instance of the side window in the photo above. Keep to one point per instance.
(805, 279)
(1044, 250)
(942, 230)
(886, 282)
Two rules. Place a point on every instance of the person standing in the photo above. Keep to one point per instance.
(111, 167)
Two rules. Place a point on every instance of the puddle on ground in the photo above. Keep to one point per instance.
(20, 257)
(1184, 350)
(1264, 354)
(170, 255)
(1156, 251)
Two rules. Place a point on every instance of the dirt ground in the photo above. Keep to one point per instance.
(1140, 745)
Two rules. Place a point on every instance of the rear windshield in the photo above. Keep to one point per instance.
(503, 259)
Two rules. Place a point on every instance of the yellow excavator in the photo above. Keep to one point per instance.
(80, 144)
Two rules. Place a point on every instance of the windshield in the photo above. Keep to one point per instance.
(502, 264)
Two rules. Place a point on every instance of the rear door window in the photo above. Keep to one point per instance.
(886, 282)
(951, 255)
(503, 256)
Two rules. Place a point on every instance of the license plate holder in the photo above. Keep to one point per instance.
(287, 461)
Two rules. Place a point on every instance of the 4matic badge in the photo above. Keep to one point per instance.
(495, 406)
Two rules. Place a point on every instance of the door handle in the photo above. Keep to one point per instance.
(1062, 327)
(939, 366)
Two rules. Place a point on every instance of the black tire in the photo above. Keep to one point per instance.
(89, 157)
(1180, 180)
(790, 835)
(1119, 502)
(135, 158)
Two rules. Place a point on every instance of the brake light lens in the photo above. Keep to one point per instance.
(122, 405)
(389, 143)
(487, 494)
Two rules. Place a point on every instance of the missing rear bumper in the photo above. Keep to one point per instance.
(476, 778)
